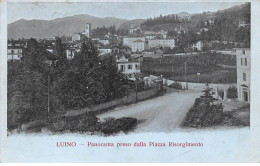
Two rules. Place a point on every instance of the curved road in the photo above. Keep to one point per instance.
(161, 114)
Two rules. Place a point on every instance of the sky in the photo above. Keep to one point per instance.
(125, 10)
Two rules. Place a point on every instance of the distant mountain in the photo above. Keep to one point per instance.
(74, 24)
(58, 27)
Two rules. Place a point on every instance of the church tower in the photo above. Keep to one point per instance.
(87, 29)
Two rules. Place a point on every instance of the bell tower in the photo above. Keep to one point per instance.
(87, 29)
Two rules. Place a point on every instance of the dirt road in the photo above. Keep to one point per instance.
(161, 114)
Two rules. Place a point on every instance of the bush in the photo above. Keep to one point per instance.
(82, 123)
(232, 92)
(176, 85)
(204, 112)
(112, 126)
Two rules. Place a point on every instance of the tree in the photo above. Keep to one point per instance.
(59, 51)
(138, 79)
(87, 58)
(27, 85)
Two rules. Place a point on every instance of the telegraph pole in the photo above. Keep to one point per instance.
(185, 74)
(48, 113)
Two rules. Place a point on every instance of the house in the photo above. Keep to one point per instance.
(242, 23)
(104, 50)
(128, 66)
(19, 43)
(133, 29)
(77, 37)
(70, 53)
(161, 43)
(14, 52)
(149, 51)
(50, 49)
(137, 45)
(197, 46)
(209, 22)
(204, 29)
(104, 41)
(179, 30)
(243, 73)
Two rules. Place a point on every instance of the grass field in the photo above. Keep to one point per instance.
(219, 76)
(213, 74)
(213, 68)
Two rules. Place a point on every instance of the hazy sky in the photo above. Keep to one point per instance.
(129, 10)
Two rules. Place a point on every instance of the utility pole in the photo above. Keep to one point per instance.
(48, 113)
(185, 75)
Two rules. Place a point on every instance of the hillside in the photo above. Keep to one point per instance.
(190, 21)
(58, 27)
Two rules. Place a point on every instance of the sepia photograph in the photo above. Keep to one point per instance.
(85, 74)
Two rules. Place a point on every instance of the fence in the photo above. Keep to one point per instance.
(131, 98)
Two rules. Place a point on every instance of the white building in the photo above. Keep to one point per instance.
(161, 43)
(104, 50)
(243, 73)
(128, 67)
(70, 53)
(128, 40)
(137, 45)
(14, 53)
(76, 37)
(104, 41)
(197, 46)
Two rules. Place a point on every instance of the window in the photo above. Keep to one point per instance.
(241, 61)
(245, 61)
(12, 51)
(122, 68)
(137, 67)
(130, 66)
(244, 52)
(244, 76)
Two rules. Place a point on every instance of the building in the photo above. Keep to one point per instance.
(104, 41)
(137, 45)
(204, 29)
(50, 49)
(76, 37)
(134, 29)
(179, 30)
(70, 53)
(14, 52)
(243, 73)
(128, 66)
(161, 43)
(87, 30)
(149, 51)
(128, 40)
(209, 22)
(150, 36)
(197, 46)
(105, 50)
